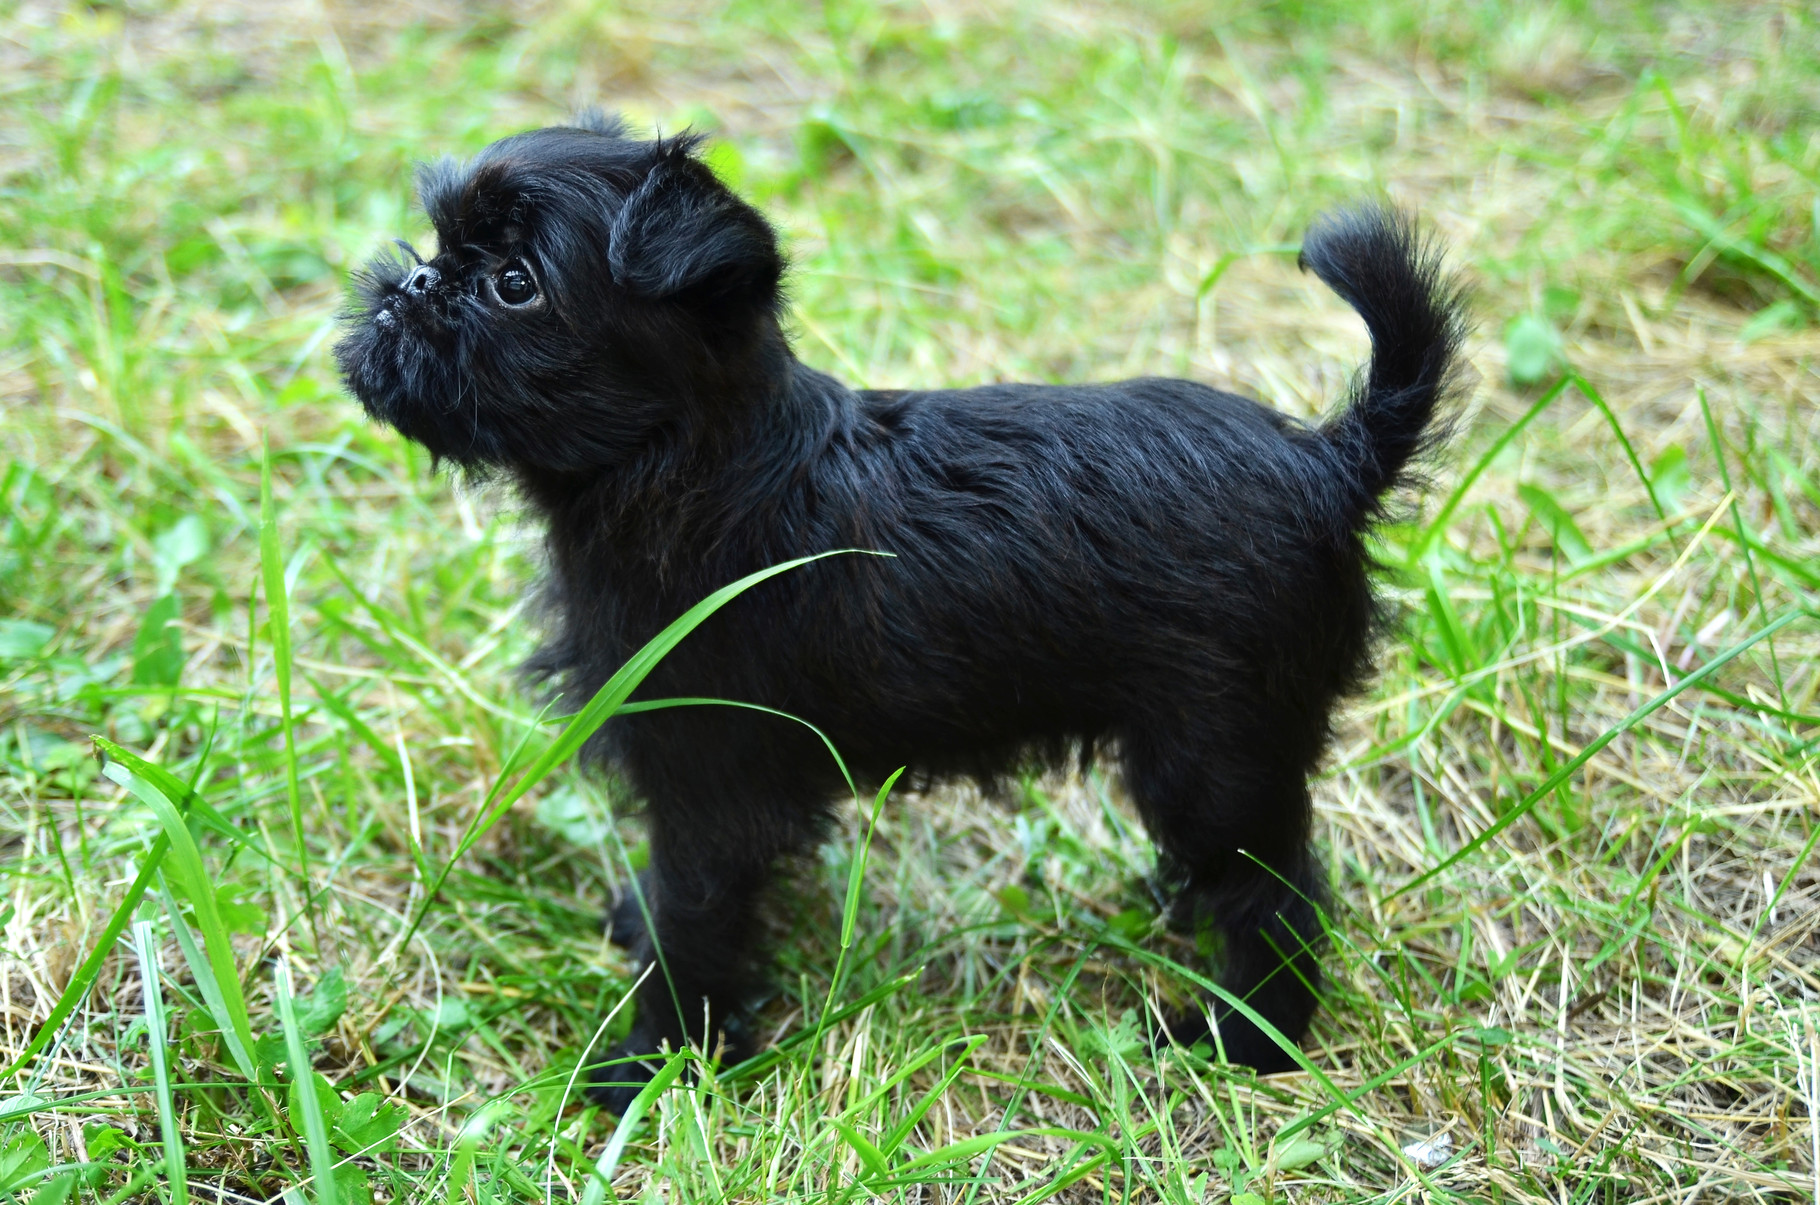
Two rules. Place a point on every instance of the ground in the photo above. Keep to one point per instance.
(1571, 825)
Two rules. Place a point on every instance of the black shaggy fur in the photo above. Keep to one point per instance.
(1169, 574)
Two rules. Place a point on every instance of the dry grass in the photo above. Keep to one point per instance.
(1615, 995)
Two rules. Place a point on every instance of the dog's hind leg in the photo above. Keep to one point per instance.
(1230, 818)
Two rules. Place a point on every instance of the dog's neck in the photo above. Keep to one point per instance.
(745, 428)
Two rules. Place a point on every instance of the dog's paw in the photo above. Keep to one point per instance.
(1245, 1044)
(625, 921)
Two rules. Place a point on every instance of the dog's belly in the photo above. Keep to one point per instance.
(951, 685)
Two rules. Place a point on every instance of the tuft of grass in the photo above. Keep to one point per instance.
(1572, 825)
(157, 1034)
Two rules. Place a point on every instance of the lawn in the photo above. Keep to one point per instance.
(258, 701)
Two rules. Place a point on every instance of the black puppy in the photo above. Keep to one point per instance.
(1170, 574)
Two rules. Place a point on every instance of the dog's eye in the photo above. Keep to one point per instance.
(515, 284)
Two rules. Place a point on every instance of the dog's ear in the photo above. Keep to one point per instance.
(683, 235)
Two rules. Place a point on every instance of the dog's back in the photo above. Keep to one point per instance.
(1068, 557)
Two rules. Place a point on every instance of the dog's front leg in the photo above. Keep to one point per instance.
(625, 923)
(702, 893)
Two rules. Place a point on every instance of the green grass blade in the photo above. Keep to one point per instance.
(1720, 238)
(602, 1179)
(871, 1156)
(606, 701)
(1419, 547)
(901, 1131)
(212, 996)
(1067, 1180)
(619, 687)
(856, 874)
(660, 704)
(302, 1075)
(1617, 429)
(467, 1148)
(906, 1070)
(1744, 540)
(278, 622)
(359, 727)
(193, 877)
(90, 970)
(1032, 1061)
(1338, 1096)
(1566, 770)
(758, 1064)
(158, 1038)
(967, 1148)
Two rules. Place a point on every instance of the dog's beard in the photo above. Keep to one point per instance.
(481, 392)
(416, 361)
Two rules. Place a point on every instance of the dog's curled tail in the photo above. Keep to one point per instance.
(1386, 269)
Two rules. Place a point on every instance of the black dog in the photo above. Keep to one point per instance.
(1171, 574)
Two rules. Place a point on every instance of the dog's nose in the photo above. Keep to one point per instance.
(422, 279)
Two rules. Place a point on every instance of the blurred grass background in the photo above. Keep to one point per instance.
(1601, 703)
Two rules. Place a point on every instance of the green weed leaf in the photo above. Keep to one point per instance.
(320, 1094)
(452, 1012)
(318, 1011)
(56, 1190)
(367, 1125)
(158, 648)
(351, 1185)
(104, 1140)
(1669, 474)
(1298, 1153)
(1122, 1039)
(239, 915)
(568, 813)
(22, 1160)
(181, 545)
(21, 638)
(1132, 922)
(1532, 350)
(269, 1052)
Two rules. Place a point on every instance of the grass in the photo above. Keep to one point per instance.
(1572, 826)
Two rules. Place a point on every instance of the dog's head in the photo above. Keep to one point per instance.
(586, 289)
